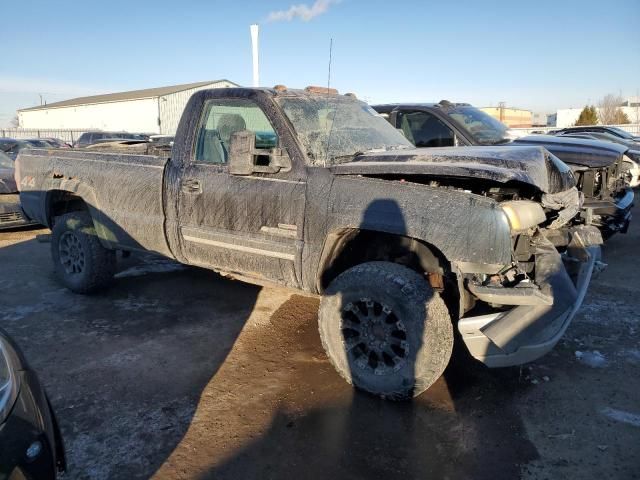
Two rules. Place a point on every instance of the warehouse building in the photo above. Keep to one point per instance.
(511, 117)
(153, 110)
(567, 117)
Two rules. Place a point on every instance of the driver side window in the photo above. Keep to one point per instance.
(221, 119)
(426, 130)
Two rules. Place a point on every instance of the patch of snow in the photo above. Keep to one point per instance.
(593, 359)
(598, 310)
(621, 416)
(56, 299)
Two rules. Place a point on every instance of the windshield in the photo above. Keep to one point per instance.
(5, 161)
(484, 129)
(333, 129)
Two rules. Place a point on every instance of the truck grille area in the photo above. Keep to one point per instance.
(603, 183)
(11, 217)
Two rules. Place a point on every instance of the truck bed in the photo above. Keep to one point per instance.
(120, 189)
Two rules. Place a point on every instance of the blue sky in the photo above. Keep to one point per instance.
(539, 55)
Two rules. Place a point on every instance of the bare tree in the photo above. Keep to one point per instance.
(609, 111)
(15, 122)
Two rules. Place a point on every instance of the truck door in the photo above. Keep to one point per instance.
(245, 224)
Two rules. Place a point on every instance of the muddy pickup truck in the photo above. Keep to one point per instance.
(600, 168)
(315, 191)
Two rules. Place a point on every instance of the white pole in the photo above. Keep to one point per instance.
(254, 49)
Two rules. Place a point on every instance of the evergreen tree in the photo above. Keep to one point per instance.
(588, 116)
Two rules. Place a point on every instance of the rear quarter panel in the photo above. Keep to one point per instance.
(124, 193)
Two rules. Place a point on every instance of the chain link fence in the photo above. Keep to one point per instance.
(69, 136)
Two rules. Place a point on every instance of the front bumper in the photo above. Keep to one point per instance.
(10, 212)
(31, 423)
(535, 324)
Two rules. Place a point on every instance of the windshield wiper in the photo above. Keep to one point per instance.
(387, 148)
(346, 157)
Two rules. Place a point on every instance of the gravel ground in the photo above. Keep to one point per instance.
(179, 373)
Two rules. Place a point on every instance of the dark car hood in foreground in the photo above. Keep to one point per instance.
(577, 151)
(529, 165)
(7, 182)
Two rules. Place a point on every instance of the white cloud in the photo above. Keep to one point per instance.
(303, 11)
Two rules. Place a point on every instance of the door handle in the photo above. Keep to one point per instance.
(191, 186)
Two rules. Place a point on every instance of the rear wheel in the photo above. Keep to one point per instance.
(81, 263)
(385, 329)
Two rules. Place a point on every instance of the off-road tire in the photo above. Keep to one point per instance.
(426, 325)
(98, 263)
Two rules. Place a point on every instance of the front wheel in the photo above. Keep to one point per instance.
(385, 330)
(81, 263)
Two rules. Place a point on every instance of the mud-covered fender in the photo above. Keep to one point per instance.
(471, 231)
(88, 195)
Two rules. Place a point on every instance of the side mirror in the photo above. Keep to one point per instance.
(245, 159)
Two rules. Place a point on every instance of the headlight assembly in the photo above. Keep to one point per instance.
(9, 380)
(633, 155)
(523, 214)
(631, 167)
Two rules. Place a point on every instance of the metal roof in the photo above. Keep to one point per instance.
(123, 96)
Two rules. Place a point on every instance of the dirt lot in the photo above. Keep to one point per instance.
(179, 373)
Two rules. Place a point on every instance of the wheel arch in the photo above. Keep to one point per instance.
(348, 247)
(59, 202)
(75, 196)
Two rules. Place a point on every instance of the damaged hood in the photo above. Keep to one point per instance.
(527, 165)
(7, 182)
(577, 151)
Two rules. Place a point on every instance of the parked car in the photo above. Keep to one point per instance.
(89, 138)
(615, 131)
(32, 446)
(604, 136)
(132, 146)
(56, 142)
(38, 142)
(403, 245)
(10, 212)
(631, 159)
(599, 168)
(12, 146)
